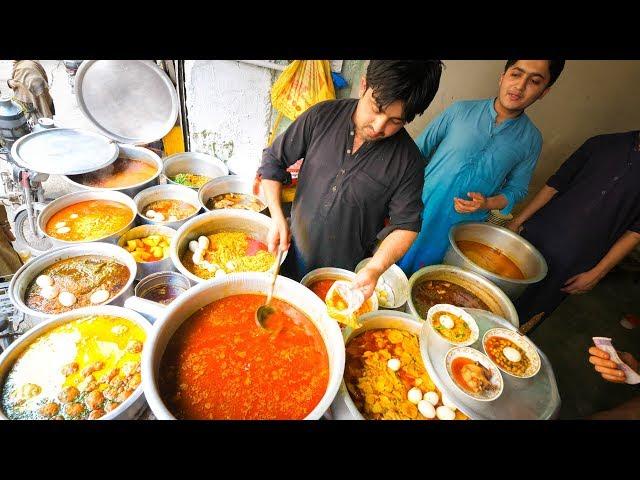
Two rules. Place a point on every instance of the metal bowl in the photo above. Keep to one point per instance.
(141, 231)
(252, 223)
(521, 252)
(166, 192)
(195, 163)
(172, 316)
(29, 271)
(397, 280)
(76, 197)
(133, 406)
(152, 282)
(229, 184)
(132, 152)
(482, 288)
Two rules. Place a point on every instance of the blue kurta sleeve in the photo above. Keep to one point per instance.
(431, 137)
(516, 185)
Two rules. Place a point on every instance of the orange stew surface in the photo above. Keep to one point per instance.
(321, 287)
(456, 369)
(220, 365)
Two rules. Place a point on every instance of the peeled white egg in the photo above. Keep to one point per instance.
(151, 213)
(193, 246)
(203, 242)
(393, 364)
(63, 230)
(448, 403)
(414, 395)
(50, 292)
(74, 216)
(446, 321)
(445, 413)
(197, 257)
(512, 354)
(159, 217)
(209, 266)
(426, 409)
(44, 281)
(220, 273)
(67, 299)
(61, 224)
(230, 265)
(173, 218)
(432, 398)
(99, 296)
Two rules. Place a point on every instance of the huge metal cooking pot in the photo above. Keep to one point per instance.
(482, 288)
(229, 184)
(166, 192)
(133, 406)
(132, 152)
(77, 197)
(254, 224)
(194, 163)
(526, 256)
(171, 317)
(29, 272)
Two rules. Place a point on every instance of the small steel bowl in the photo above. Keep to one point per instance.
(194, 163)
(166, 192)
(229, 184)
(147, 268)
(152, 283)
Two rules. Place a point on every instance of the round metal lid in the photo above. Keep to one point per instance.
(64, 151)
(535, 398)
(130, 101)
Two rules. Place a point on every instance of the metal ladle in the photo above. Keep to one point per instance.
(265, 310)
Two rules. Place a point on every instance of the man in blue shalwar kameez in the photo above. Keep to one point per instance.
(481, 155)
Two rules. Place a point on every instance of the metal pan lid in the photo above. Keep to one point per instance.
(130, 101)
(64, 151)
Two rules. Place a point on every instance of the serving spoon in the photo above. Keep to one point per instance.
(265, 310)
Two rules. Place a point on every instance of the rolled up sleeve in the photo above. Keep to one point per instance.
(516, 184)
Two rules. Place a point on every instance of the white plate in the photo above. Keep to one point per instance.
(520, 340)
(458, 312)
(496, 377)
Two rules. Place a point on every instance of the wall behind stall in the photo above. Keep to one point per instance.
(589, 98)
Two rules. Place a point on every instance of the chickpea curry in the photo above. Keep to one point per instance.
(495, 347)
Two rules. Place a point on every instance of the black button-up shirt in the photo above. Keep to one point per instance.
(343, 198)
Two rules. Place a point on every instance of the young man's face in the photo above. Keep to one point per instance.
(373, 123)
(523, 83)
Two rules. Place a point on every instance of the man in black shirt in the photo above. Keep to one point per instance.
(360, 167)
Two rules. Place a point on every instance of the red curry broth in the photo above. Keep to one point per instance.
(220, 365)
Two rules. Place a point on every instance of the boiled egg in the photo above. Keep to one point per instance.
(151, 213)
(63, 230)
(203, 242)
(393, 364)
(193, 246)
(414, 395)
(44, 281)
(99, 296)
(230, 265)
(445, 413)
(198, 256)
(512, 354)
(448, 403)
(50, 292)
(173, 218)
(67, 299)
(73, 216)
(447, 322)
(426, 409)
(432, 398)
(220, 273)
(61, 224)
(159, 217)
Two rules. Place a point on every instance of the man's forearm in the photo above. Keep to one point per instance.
(623, 247)
(391, 249)
(545, 194)
(272, 190)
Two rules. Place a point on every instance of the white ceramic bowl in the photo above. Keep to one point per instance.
(496, 377)
(521, 341)
(458, 312)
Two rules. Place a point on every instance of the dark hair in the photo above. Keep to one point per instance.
(414, 82)
(555, 69)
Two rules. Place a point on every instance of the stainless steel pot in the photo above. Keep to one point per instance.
(133, 406)
(76, 197)
(252, 223)
(194, 163)
(172, 316)
(526, 256)
(166, 192)
(141, 231)
(229, 184)
(126, 151)
(482, 288)
(30, 271)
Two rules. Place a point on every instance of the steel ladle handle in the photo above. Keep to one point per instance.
(275, 275)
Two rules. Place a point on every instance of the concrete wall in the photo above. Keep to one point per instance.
(589, 98)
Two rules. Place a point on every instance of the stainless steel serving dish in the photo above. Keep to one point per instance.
(229, 184)
(166, 192)
(195, 163)
(132, 152)
(482, 288)
(520, 251)
(253, 223)
(29, 271)
(133, 406)
(141, 231)
(170, 318)
(83, 196)
(150, 282)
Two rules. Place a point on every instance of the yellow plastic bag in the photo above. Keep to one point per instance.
(302, 84)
